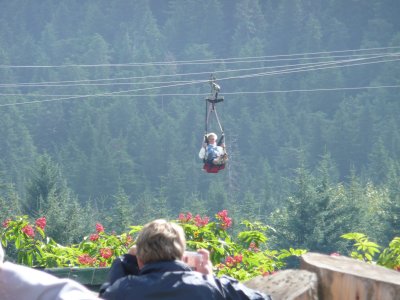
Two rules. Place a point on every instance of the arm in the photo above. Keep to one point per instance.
(122, 266)
(202, 152)
(236, 290)
(232, 288)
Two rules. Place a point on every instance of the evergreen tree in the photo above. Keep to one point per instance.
(9, 200)
(45, 181)
(122, 212)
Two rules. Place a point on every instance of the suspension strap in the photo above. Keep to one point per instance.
(210, 104)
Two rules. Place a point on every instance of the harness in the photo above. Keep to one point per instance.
(210, 151)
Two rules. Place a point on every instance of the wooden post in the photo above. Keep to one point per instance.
(344, 278)
(287, 284)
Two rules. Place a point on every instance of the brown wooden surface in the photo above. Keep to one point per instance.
(287, 285)
(344, 278)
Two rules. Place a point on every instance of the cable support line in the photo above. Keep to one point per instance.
(201, 61)
(83, 82)
(8, 85)
(296, 70)
(194, 82)
(228, 93)
(102, 94)
(205, 94)
(204, 81)
(53, 83)
(314, 90)
(215, 61)
(324, 66)
(157, 87)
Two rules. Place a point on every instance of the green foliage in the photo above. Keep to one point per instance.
(27, 244)
(145, 141)
(243, 257)
(36, 249)
(370, 252)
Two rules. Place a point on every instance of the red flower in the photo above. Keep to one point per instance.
(334, 254)
(253, 247)
(85, 259)
(41, 222)
(106, 253)
(226, 222)
(103, 264)
(238, 258)
(229, 261)
(222, 213)
(201, 222)
(185, 218)
(99, 228)
(6, 223)
(94, 237)
(28, 230)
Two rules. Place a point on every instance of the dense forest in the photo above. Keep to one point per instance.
(102, 108)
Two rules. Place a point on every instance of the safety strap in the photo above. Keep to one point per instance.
(210, 108)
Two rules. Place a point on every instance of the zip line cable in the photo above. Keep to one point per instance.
(228, 93)
(328, 65)
(185, 74)
(294, 70)
(183, 62)
(192, 82)
(187, 81)
(206, 94)
(194, 62)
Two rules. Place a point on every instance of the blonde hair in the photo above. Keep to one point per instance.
(160, 240)
(212, 133)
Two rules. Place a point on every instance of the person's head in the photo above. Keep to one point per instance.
(160, 240)
(212, 137)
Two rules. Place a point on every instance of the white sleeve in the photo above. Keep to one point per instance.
(202, 153)
(24, 283)
(220, 150)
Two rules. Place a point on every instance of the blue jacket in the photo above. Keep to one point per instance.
(174, 280)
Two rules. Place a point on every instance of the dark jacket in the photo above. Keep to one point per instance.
(172, 280)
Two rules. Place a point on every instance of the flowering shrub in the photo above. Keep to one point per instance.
(366, 250)
(243, 257)
(23, 234)
(97, 250)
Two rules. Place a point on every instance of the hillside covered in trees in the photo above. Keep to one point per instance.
(102, 114)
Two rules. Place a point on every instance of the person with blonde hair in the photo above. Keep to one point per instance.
(211, 152)
(155, 269)
(24, 283)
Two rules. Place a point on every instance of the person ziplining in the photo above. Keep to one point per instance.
(213, 151)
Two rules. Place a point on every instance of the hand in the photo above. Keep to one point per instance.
(205, 266)
(132, 250)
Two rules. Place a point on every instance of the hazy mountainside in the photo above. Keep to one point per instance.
(116, 119)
